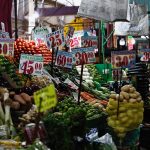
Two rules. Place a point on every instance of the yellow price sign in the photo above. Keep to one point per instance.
(47, 97)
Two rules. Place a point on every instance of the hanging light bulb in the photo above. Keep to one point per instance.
(122, 42)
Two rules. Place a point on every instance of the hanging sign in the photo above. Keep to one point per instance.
(31, 64)
(55, 39)
(89, 41)
(64, 59)
(124, 59)
(7, 47)
(83, 56)
(39, 35)
(144, 54)
(47, 96)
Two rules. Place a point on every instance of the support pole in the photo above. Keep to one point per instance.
(16, 21)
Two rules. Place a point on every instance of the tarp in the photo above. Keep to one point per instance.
(108, 10)
(139, 22)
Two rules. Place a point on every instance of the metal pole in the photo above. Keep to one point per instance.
(16, 21)
(99, 41)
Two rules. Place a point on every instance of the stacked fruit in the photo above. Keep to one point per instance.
(29, 47)
(128, 115)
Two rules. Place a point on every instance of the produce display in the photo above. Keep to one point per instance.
(28, 47)
(69, 119)
(128, 115)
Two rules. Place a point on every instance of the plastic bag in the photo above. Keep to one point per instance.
(106, 139)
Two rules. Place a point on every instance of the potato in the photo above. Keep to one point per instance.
(139, 99)
(26, 97)
(113, 96)
(125, 88)
(137, 93)
(125, 95)
(19, 99)
(15, 105)
(132, 90)
(133, 96)
(132, 100)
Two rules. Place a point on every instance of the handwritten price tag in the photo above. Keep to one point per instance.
(83, 55)
(7, 47)
(89, 41)
(30, 64)
(145, 55)
(47, 96)
(75, 42)
(64, 59)
(55, 39)
(124, 59)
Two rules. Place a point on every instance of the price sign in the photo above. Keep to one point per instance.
(75, 42)
(7, 47)
(39, 35)
(64, 59)
(47, 96)
(89, 41)
(124, 59)
(145, 54)
(83, 55)
(55, 39)
(30, 64)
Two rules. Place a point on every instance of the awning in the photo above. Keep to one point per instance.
(58, 11)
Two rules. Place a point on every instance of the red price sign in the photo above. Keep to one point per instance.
(55, 39)
(89, 41)
(75, 42)
(83, 56)
(7, 47)
(124, 59)
(64, 59)
(145, 56)
(30, 64)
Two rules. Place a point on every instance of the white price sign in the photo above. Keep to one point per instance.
(83, 56)
(89, 41)
(55, 39)
(7, 47)
(75, 42)
(31, 64)
(64, 59)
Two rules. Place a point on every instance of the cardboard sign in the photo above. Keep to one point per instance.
(47, 96)
(144, 54)
(7, 47)
(64, 59)
(55, 39)
(89, 41)
(30, 64)
(123, 59)
(83, 56)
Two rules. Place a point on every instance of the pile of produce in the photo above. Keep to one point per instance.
(128, 115)
(93, 72)
(8, 76)
(28, 47)
(67, 120)
(90, 99)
